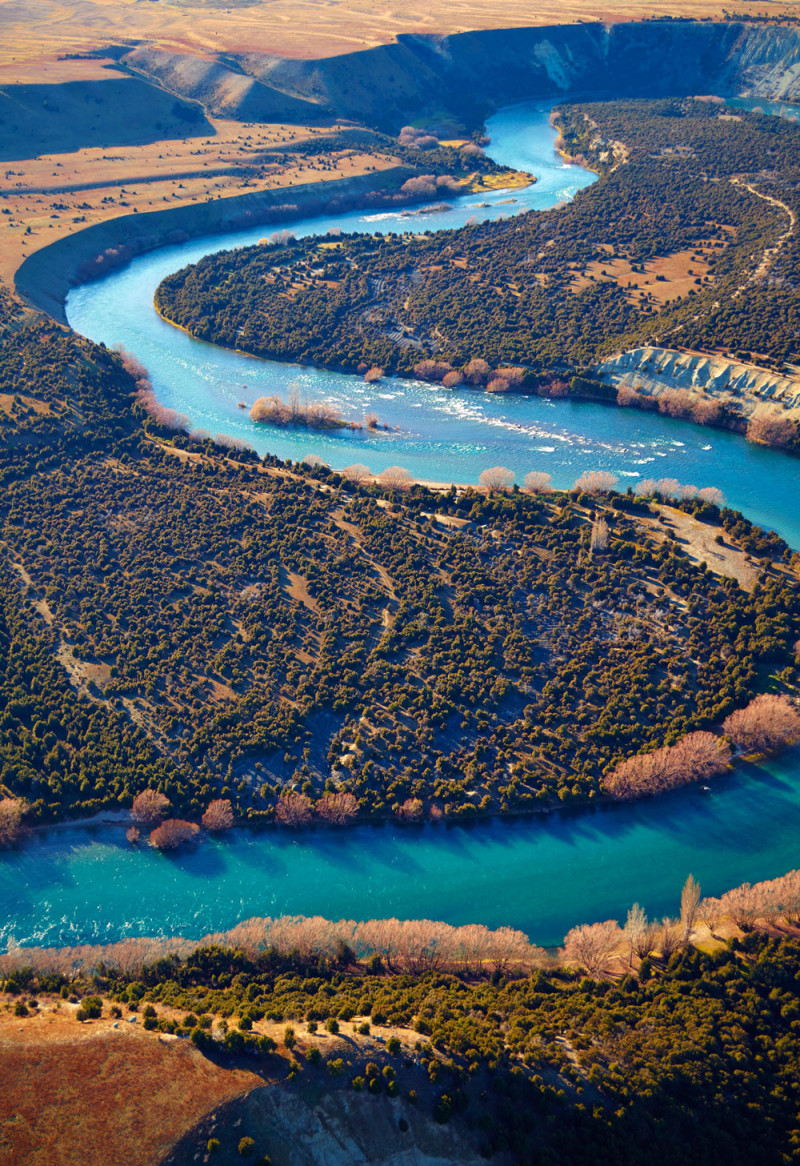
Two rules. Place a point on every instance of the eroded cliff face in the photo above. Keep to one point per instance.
(470, 74)
(652, 370)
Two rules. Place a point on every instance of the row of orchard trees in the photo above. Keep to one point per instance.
(769, 723)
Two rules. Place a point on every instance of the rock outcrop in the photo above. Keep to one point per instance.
(651, 370)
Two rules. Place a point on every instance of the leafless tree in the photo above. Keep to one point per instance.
(314, 461)
(357, 473)
(12, 812)
(396, 478)
(711, 495)
(498, 385)
(669, 939)
(432, 370)
(593, 945)
(173, 832)
(767, 724)
(477, 371)
(218, 816)
(690, 901)
(371, 420)
(596, 482)
(421, 186)
(705, 412)
(293, 809)
(496, 480)
(270, 411)
(373, 374)
(337, 809)
(410, 810)
(765, 428)
(451, 379)
(133, 835)
(696, 757)
(537, 482)
(635, 927)
(149, 806)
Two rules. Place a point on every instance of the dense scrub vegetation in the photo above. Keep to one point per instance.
(676, 177)
(218, 628)
(693, 1060)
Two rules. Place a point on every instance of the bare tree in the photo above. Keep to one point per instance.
(635, 928)
(669, 938)
(270, 411)
(218, 816)
(357, 473)
(133, 835)
(432, 370)
(596, 482)
(696, 757)
(314, 462)
(496, 480)
(149, 806)
(293, 809)
(767, 724)
(690, 901)
(498, 385)
(451, 379)
(396, 478)
(711, 495)
(371, 420)
(537, 482)
(477, 371)
(173, 832)
(592, 945)
(765, 428)
(373, 374)
(337, 809)
(410, 810)
(12, 812)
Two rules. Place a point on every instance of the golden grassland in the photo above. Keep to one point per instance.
(294, 28)
(79, 1093)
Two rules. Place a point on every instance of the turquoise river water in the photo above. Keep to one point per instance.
(78, 884)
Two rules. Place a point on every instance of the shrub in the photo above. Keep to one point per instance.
(246, 1147)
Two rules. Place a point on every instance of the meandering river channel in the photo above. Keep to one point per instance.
(80, 884)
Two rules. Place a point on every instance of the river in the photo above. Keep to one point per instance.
(81, 884)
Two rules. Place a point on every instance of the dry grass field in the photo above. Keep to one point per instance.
(293, 28)
(661, 279)
(90, 1093)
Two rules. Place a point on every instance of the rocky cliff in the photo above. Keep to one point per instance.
(651, 370)
(469, 74)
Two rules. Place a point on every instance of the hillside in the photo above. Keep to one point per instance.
(219, 627)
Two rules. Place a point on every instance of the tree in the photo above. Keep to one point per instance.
(537, 482)
(293, 809)
(451, 379)
(592, 945)
(132, 834)
(246, 1147)
(476, 371)
(395, 478)
(12, 811)
(337, 809)
(149, 806)
(498, 385)
(765, 428)
(410, 810)
(373, 374)
(357, 473)
(696, 757)
(496, 480)
(218, 816)
(635, 928)
(596, 482)
(690, 901)
(172, 833)
(711, 495)
(767, 724)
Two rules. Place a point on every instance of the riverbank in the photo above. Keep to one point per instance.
(45, 278)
